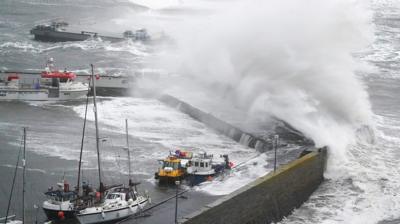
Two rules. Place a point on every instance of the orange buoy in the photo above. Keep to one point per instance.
(60, 215)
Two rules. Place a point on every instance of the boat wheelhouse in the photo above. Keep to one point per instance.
(173, 167)
(60, 202)
(202, 167)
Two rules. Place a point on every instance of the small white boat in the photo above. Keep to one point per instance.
(119, 203)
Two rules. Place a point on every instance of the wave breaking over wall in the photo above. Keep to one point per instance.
(285, 59)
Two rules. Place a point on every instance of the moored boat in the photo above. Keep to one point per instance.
(203, 167)
(115, 203)
(193, 168)
(173, 168)
(53, 85)
(119, 203)
(60, 202)
(56, 32)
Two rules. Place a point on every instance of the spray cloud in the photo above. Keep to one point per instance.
(290, 59)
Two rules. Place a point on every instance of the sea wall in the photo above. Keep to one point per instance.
(223, 127)
(269, 198)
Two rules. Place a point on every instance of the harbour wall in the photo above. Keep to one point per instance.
(269, 198)
(223, 127)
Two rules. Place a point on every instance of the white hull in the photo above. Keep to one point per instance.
(102, 215)
(58, 206)
(40, 95)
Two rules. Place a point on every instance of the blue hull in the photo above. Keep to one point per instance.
(198, 179)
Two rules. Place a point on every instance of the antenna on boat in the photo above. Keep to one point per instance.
(101, 188)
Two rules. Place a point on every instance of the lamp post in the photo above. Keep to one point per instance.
(177, 183)
(276, 138)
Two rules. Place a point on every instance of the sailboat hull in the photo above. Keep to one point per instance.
(107, 216)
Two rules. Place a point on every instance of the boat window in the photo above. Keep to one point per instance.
(171, 164)
(113, 196)
(196, 163)
(201, 164)
(206, 164)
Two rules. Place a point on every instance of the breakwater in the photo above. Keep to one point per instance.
(269, 198)
(223, 127)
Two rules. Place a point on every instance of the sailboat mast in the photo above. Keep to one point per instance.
(129, 154)
(23, 179)
(13, 183)
(82, 141)
(97, 129)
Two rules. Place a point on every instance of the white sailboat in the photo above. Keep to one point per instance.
(119, 202)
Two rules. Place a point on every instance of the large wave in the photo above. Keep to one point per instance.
(289, 59)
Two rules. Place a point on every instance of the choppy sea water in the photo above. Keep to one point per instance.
(365, 191)
(54, 129)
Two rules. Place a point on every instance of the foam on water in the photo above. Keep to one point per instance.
(369, 191)
(136, 49)
(238, 177)
(155, 122)
(297, 62)
(152, 121)
(28, 169)
(158, 4)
